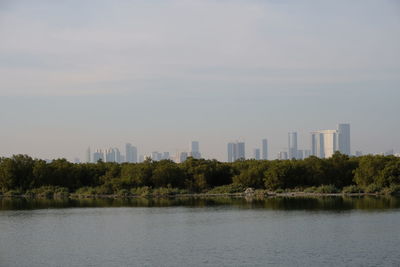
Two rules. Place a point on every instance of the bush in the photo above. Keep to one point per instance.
(12, 193)
(123, 193)
(227, 189)
(87, 190)
(352, 189)
(326, 189)
(373, 188)
(312, 189)
(279, 191)
(141, 191)
(394, 189)
(49, 192)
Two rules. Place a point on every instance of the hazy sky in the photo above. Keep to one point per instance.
(159, 74)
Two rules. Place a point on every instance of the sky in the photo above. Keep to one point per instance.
(159, 74)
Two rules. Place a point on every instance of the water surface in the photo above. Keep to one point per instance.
(327, 231)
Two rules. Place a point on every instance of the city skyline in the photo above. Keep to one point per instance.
(323, 144)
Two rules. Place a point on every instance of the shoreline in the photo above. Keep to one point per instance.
(197, 195)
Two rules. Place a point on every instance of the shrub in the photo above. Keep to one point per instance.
(326, 189)
(141, 191)
(352, 189)
(311, 189)
(373, 188)
(12, 193)
(123, 193)
(227, 189)
(279, 191)
(394, 189)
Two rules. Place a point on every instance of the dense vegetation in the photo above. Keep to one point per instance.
(22, 174)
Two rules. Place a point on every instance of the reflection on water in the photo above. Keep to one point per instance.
(337, 203)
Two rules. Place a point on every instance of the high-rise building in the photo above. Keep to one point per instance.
(130, 153)
(98, 155)
(264, 149)
(307, 153)
(292, 145)
(231, 152)
(236, 151)
(88, 155)
(326, 142)
(195, 151)
(156, 156)
(241, 150)
(182, 156)
(300, 154)
(117, 154)
(344, 138)
(256, 154)
(165, 155)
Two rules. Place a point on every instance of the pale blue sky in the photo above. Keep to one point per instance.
(159, 74)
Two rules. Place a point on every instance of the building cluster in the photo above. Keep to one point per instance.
(131, 154)
(324, 144)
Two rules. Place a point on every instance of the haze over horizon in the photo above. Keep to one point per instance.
(159, 74)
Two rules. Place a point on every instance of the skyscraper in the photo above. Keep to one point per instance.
(344, 138)
(236, 151)
(130, 153)
(326, 142)
(98, 155)
(231, 152)
(195, 152)
(88, 155)
(292, 145)
(264, 149)
(241, 151)
(256, 154)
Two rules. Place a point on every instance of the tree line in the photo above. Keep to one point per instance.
(21, 172)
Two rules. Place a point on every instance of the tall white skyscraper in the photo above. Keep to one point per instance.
(130, 153)
(264, 149)
(326, 142)
(292, 145)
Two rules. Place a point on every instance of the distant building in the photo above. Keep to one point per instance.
(307, 153)
(264, 149)
(283, 155)
(256, 154)
(358, 153)
(343, 142)
(389, 152)
(236, 151)
(195, 151)
(141, 158)
(88, 155)
(165, 155)
(130, 153)
(156, 156)
(300, 154)
(98, 155)
(77, 160)
(326, 142)
(292, 145)
(182, 157)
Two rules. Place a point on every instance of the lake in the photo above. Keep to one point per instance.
(329, 231)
